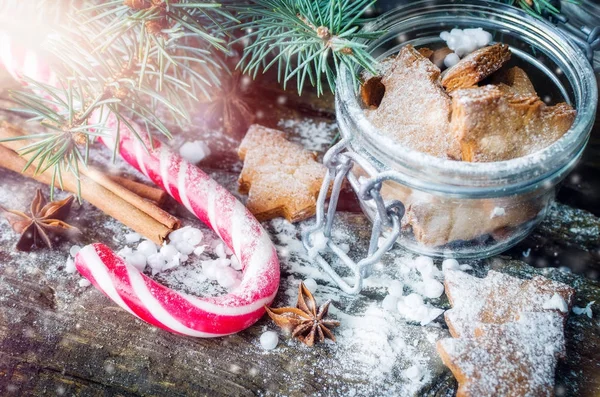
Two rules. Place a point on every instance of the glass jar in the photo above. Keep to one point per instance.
(461, 209)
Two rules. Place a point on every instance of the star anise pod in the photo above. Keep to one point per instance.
(305, 321)
(44, 220)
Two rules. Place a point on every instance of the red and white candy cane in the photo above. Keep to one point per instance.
(213, 205)
(21, 62)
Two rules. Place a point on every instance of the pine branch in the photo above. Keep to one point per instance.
(159, 25)
(305, 39)
(130, 63)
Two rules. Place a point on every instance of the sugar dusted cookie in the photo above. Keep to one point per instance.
(475, 67)
(415, 110)
(547, 327)
(281, 178)
(497, 299)
(493, 125)
(466, 294)
(513, 359)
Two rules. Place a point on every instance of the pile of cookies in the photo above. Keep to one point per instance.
(477, 110)
(508, 333)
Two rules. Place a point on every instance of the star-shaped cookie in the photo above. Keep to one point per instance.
(281, 178)
(497, 299)
(513, 359)
(508, 333)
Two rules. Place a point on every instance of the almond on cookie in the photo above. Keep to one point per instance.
(475, 67)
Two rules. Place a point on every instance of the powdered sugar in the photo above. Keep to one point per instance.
(194, 151)
(269, 340)
(556, 303)
(373, 336)
(587, 310)
(316, 136)
(517, 358)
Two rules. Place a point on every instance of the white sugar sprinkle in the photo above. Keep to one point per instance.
(147, 248)
(587, 310)
(194, 152)
(70, 266)
(396, 288)
(390, 303)
(451, 60)
(131, 238)
(556, 302)
(269, 340)
(450, 264)
(74, 250)
(311, 284)
(83, 283)
(497, 212)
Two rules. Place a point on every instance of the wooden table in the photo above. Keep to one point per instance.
(59, 339)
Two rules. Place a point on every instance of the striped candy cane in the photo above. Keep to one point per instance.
(21, 62)
(213, 205)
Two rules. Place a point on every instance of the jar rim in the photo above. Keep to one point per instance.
(446, 175)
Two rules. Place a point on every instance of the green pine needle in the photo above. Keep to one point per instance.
(109, 61)
(307, 40)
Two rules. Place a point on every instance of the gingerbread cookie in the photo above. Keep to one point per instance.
(475, 67)
(426, 52)
(513, 359)
(508, 333)
(498, 298)
(281, 178)
(437, 221)
(492, 125)
(415, 110)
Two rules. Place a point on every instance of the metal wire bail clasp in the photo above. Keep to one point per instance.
(317, 239)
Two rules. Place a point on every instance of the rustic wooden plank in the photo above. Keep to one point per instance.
(568, 237)
(57, 336)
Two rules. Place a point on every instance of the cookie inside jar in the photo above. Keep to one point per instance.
(464, 98)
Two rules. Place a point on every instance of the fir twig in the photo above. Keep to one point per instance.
(129, 59)
(306, 39)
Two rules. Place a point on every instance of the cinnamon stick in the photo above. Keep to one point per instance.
(9, 131)
(159, 196)
(145, 205)
(98, 195)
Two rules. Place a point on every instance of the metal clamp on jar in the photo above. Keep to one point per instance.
(466, 210)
